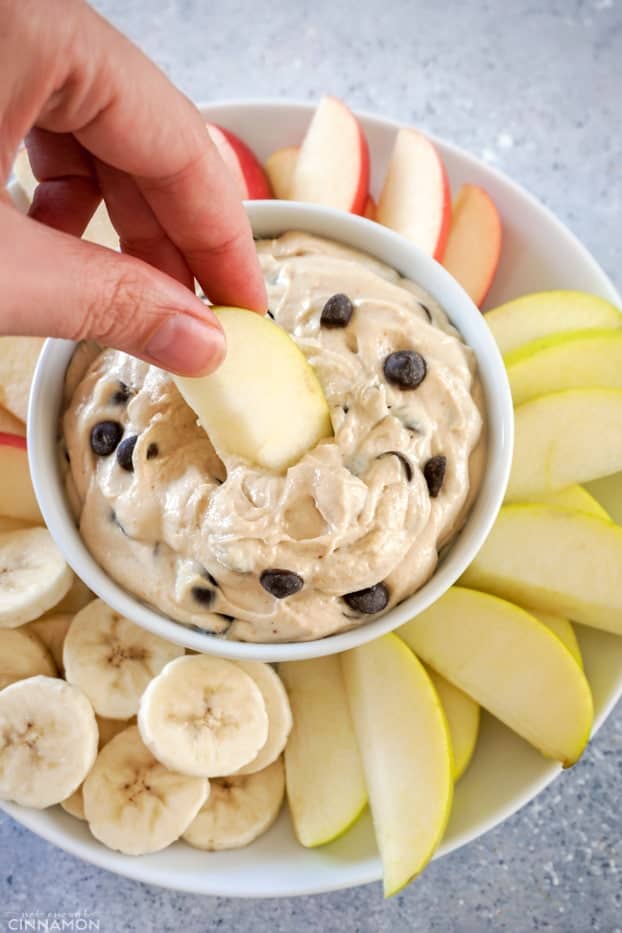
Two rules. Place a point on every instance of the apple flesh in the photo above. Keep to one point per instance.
(18, 359)
(264, 403)
(280, 168)
(462, 714)
(407, 760)
(250, 178)
(9, 424)
(608, 493)
(565, 438)
(474, 242)
(577, 498)
(510, 664)
(563, 629)
(17, 497)
(565, 361)
(543, 314)
(415, 199)
(333, 163)
(326, 790)
(553, 560)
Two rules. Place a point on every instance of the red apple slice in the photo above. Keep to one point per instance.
(280, 168)
(371, 208)
(17, 498)
(415, 199)
(333, 164)
(241, 161)
(474, 243)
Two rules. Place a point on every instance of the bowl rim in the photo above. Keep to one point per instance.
(378, 241)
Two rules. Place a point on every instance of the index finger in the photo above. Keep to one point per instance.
(133, 118)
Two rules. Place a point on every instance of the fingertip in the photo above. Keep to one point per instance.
(186, 345)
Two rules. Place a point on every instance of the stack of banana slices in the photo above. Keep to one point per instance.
(144, 742)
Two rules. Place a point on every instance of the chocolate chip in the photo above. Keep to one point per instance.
(427, 311)
(337, 311)
(125, 453)
(152, 451)
(122, 395)
(408, 470)
(203, 595)
(346, 409)
(281, 583)
(434, 473)
(405, 368)
(105, 437)
(371, 600)
(270, 314)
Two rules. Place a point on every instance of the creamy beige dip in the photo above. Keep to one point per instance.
(192, 532)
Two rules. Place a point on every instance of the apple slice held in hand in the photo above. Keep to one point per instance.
(553, 560)
(264, 403)
(324, 778)
(474, 242)
(17, 498)
(333, 163)
(511, 664)
(407, 759)
(565, 438)
(415, 199)
(543, 314)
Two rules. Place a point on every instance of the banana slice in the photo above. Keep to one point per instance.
(133, 803)
(22, 655)
(239, 809)
(48, 741)
(203, 716)
(108, 728)
(112, 659)
(52, 631)
(278, 710)
(33, 575)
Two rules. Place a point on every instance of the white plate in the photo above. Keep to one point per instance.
(539, 253)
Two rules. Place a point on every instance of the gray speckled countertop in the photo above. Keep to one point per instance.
(532, 86)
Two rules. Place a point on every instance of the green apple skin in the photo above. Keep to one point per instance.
(324, 778)
(576, 498)
(463, 715)
(511, 665)
(542, 314)
(565, 361)
(553, 560)
(608, 493)
(565, 438)
(264, 403)
(564, 631)
(406, 750)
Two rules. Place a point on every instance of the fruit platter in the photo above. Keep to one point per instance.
(345, 769)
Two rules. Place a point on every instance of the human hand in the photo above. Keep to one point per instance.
(102, 120)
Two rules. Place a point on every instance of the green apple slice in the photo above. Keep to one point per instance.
(564, 631)
(577, 498)
(565, 361)
(264, 403)
(544, 313)
(553, 560)
(404, 741)
(510, 664)
(462, 714)
(608, 493)
(324, 779)
(565, 438)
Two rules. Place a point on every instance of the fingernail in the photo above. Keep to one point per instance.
(186, 345)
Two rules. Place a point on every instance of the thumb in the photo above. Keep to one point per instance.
(55, 285)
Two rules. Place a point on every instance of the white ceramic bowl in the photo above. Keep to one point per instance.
(505, 773)
(270, 218)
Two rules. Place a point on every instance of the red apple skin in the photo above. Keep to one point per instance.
(257, 184)
(12, 440)
(359, 201)
(489, 223)
(443, 235)
(370, 208)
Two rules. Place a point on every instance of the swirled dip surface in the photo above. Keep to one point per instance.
(196, 533)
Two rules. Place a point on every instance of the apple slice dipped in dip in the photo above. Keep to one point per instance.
(305, 486)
